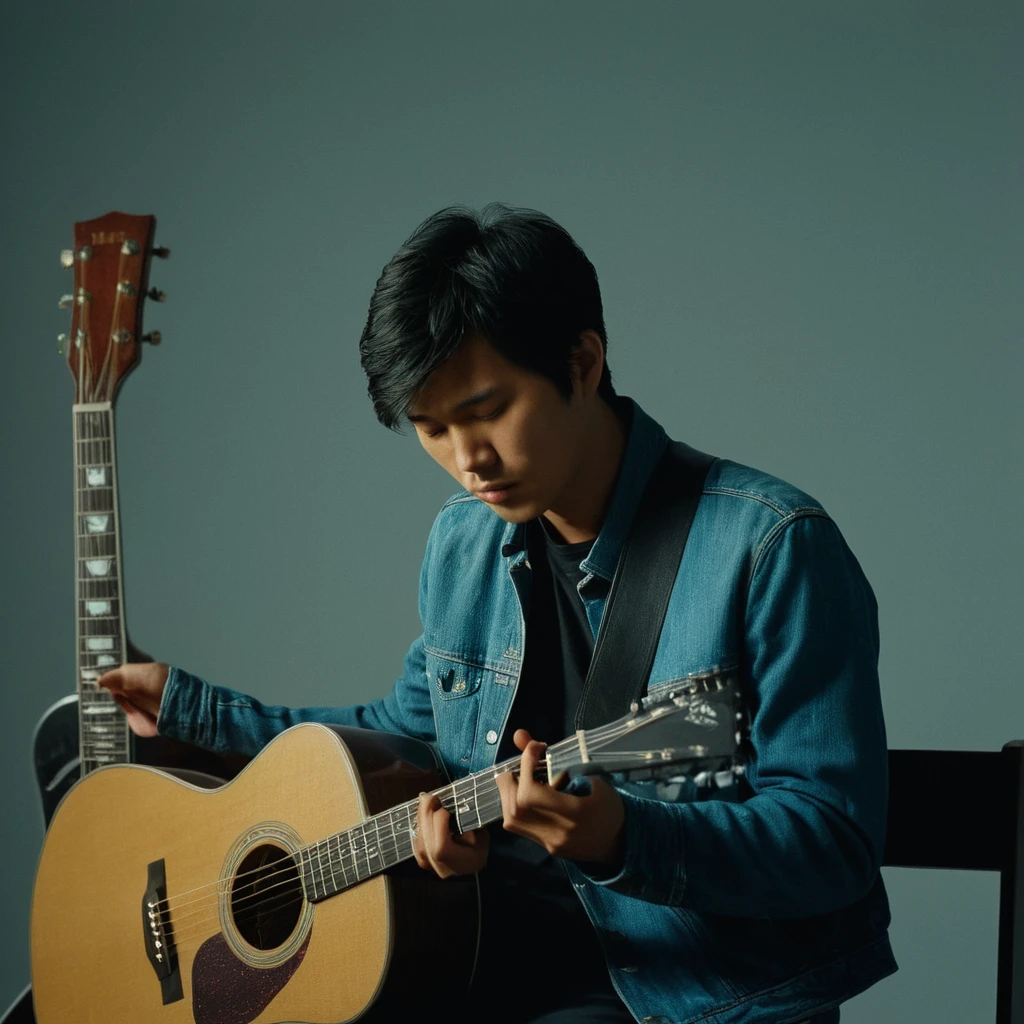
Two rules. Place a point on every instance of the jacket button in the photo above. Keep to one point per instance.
(492, 736)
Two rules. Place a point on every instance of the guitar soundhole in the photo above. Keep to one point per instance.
(266, 897)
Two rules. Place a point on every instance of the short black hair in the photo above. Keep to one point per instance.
(510, 274)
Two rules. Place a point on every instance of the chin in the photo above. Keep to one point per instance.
(516, 513)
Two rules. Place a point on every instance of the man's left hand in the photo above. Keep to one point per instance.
(584, 828)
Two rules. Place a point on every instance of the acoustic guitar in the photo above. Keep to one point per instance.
(290, 893)
(87, 730)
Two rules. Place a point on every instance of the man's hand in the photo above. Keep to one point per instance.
(438, 850)
(137, 688)
(584, 828)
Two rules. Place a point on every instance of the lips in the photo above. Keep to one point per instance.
(493, 493)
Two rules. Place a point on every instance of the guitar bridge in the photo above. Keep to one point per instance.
(158, 934)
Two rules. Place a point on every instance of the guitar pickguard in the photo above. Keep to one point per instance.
(227, 991)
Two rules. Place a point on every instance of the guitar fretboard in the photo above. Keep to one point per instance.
(100, 634)
(380, 842)
(340, 861)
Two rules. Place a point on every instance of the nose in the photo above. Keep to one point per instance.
(473, 454)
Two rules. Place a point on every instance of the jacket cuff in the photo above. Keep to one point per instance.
(653, 866)
(187, 709)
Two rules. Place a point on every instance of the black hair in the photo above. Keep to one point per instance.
(512, 275)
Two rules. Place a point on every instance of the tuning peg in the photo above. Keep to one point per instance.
(156, 295)
(65, 302)
(161, 252)
(67, 258)
(154, 337)
(62, 343)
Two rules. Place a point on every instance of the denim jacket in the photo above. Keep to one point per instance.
(763, 904)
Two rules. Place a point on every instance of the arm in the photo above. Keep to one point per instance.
(166, 700)
(809, 839)
(223, 720)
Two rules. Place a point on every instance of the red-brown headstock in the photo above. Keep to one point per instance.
(111, 264)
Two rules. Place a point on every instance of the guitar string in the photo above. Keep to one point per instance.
(246, 907)
(395, 847)
(512, 764)
(222, 882)
(95, 434)
(252, 904)
(595, 736)
(107, 365)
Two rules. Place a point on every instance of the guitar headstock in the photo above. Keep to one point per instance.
(695, 726)
(111, 266)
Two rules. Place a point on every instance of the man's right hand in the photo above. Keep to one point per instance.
(138, 687)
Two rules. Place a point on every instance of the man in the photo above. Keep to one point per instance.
(764, 904)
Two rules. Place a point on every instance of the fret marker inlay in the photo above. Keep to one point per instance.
(98, 607)
(98, 566)
(99, 643)
(105, 659)
(96, 524)
(96, 476)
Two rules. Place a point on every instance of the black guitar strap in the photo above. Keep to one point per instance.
(642, 585)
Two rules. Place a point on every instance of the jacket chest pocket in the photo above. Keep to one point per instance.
(455, 694)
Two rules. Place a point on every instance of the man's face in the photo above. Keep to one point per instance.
(504, 433)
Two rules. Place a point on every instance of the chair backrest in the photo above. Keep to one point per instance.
(965, 809)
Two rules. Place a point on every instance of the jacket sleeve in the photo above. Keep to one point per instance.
(809, 838)
(225, 721)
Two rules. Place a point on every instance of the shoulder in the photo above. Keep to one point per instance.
(749, 512)
(741, 486)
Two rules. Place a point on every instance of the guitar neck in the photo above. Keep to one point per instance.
(101, 640)
(347, 858)
(701, 727)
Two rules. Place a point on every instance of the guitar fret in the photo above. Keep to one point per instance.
(96, 501)
(341, 863)
(308, 878)
(96, 545)
(100, 587)
(476, 803)
(320, 864)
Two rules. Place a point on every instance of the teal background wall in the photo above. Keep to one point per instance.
(806, 218)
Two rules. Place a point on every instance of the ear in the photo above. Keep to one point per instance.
(586, 363)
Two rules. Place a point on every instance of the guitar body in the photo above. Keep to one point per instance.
(58, 765)
(367, 953)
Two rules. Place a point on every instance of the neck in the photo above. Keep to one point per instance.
(580, 514)
(103, 729)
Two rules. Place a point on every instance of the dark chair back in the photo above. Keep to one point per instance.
(965, 809)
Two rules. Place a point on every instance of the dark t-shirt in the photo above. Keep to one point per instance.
(558, 642)
(526, 894)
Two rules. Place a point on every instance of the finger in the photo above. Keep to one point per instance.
(521, 738)
(466, 853)
(139, 721)
(508, 791)
(419, 849)
(112, 680)
(532, 759)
